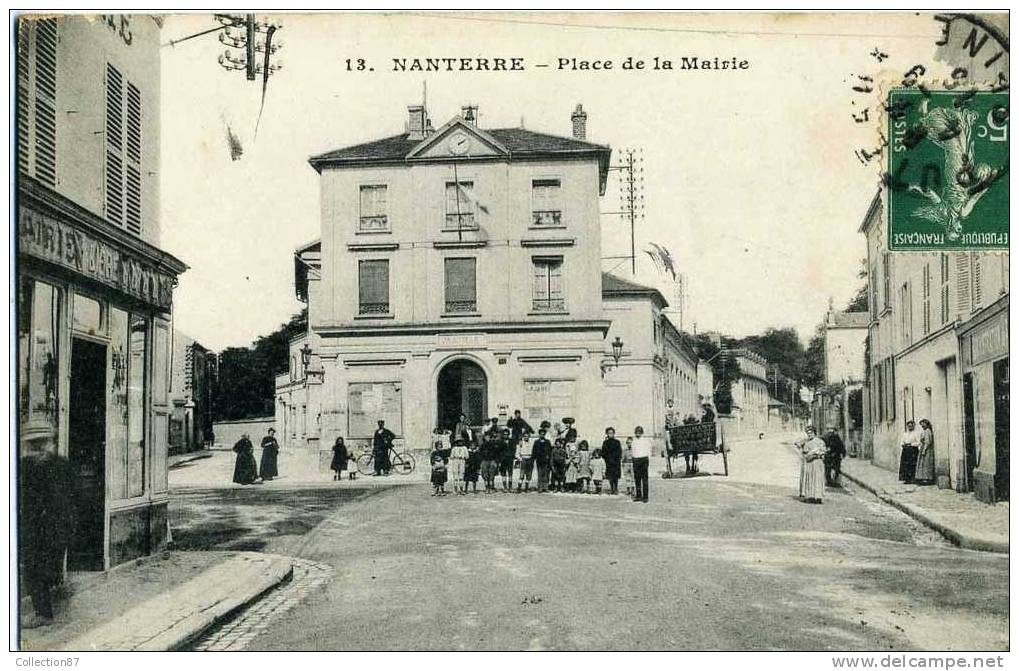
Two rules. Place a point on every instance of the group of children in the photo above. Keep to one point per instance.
(562, 464)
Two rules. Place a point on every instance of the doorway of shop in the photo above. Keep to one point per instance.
(87, 453)
(462, 388)
(969, 429)
(1001, 430)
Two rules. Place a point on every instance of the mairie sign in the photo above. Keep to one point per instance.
(61, 243)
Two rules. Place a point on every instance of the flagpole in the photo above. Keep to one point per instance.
(456, 191)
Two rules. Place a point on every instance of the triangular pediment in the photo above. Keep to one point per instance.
(458, 139)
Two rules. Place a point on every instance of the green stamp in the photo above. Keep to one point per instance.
(947, 170)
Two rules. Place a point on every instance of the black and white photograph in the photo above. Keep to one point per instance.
(510, 331)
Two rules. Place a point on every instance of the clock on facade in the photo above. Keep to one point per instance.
(459, 143)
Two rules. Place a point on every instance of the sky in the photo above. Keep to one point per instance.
(750, 177)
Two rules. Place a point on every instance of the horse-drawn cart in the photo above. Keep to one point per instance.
(695, 439)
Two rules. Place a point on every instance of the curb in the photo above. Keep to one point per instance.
(192, 628)
(953, 536)
(185, 627)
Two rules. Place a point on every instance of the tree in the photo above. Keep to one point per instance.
(246, 385)
(860, 302)
(813, 369)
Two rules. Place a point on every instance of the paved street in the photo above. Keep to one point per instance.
(710, 563)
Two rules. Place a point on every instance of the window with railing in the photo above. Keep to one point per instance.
(374, 216)
(548, 293)
(460, 207)
(546, 203)
(373, 287)
(461, 285)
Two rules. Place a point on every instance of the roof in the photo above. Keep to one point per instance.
(613, 285)
(519, 142)
(848, 320)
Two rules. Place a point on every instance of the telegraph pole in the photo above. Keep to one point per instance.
(631, 197)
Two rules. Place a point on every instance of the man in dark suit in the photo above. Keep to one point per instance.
(382, 442)
(833, 457)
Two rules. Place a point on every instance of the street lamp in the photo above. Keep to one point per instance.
(617, 354)
(306, 355)
(617, 349)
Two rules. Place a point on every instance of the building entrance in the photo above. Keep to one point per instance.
(462, 388)
(1001, 430)
(87, 452)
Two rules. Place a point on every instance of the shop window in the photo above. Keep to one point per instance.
(116, 405)
(549, 399)
(461, 285)
(39, 312)
(137, 356)
(373, 287)
(546, 203)
(373, 217)
(548, 292)
(87, 315)
(460, 201)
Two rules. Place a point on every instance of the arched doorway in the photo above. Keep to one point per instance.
(462, 388)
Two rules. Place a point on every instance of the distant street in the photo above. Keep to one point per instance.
(710, 563)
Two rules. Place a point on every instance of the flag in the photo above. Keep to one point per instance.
(662, 259)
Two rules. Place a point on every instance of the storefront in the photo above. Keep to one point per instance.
(984, 346)
(93, 311)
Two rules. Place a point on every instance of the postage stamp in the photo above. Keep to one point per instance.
(948, 170)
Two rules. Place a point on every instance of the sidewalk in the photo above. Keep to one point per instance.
(960, 518)
(158, 603)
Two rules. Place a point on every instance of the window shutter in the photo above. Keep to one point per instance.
(978, 290)
(24, 104)
(45, 101)
(133, 185)
(962, 284)
(555, 282)
(114, 141)
(540, 280)
(374, 282)
(461, 281)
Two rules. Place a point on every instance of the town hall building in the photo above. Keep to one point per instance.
(459, 271)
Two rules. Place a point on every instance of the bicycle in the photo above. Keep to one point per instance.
(402, 463)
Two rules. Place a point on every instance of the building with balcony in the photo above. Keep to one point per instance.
(938, 350)
(94, 291)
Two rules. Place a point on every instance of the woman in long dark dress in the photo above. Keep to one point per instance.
(245, 468)
(339, 462)
(269, 467)
(612, 453)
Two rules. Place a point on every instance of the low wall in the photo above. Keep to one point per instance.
(229, 432)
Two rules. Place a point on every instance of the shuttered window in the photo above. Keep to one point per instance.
(373, 287)
(36, 99)
(460, 203)
(886, 273)
(461, 285)
(977, 289)
(926, 298)
(123, 127)
(962, 283)
(373, 202)
(546, 203)
(548, 293)
(945, 306)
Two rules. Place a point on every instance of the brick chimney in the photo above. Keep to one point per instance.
(417, 121)
(579, 119)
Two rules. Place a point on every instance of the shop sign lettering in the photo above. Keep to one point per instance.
(57, 242)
